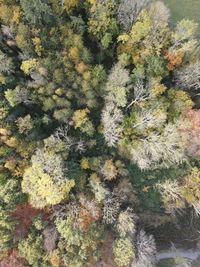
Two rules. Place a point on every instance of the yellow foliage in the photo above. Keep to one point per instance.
(85, 164)
(109, 170)
(4, 131)
(74, 53)
(123, 38)
(144, 39)
(16, 14)
(54, 258)
(80, 117)
(92, 2)
(38, 46)
(157, 88)
(12, 142)
(24, 124)
(2, 79)
(81, 67)
(10, 14)
(94, 177)
(10, 164)
(141, 28)
(5, 14)
(81, 120)
(87, 76)
(28, 65)
(3, 113)
(70, 4)
(41, 188)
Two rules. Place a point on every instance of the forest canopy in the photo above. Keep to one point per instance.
(99, 130)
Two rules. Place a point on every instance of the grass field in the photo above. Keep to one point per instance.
(184, 9)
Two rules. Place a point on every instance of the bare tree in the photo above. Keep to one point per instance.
(146, 250)
(62, 135)
(111, 119)
(159, 13)
(128, 11)
(117, 85)
(147, 118)
(189, 77)
(141, 93)
(171, 193)
(111, 209)
(159, 149)
(50, 162)
(126, 222)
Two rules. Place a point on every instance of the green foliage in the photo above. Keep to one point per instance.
(78, 244)
(6, 193)
(7, 225)
(17, 96)
(37, 12)
(31, 249)
(102, 21)
(6, 64)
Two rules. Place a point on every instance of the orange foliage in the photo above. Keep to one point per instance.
(191, 131)
(12, 260)
(174, 58)
(85, 220)
(81, 67)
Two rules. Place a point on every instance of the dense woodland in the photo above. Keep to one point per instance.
(99, 130)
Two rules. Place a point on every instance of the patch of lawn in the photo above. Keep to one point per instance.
(181, 9)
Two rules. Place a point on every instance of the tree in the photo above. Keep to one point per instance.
(6, 64)
(111, 119)
(185, 30)
(81, 120)
(146, 250)
(79, 245)
(95, 126)
(37, 12)
(123, 251)
(111, 209)
(7, 225)
(29, 65)
(126, 223)
(190, 130)
(31, 249)
(109, 170)
(129, 10)
(116, 86)
(171, 195)
(188, 77)
(69, 4)
(24, 124)
(190, 191)
(44, 181)
(102, 22)
(17, 96)
(157, 150)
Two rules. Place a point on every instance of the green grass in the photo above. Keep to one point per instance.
(184, 9)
